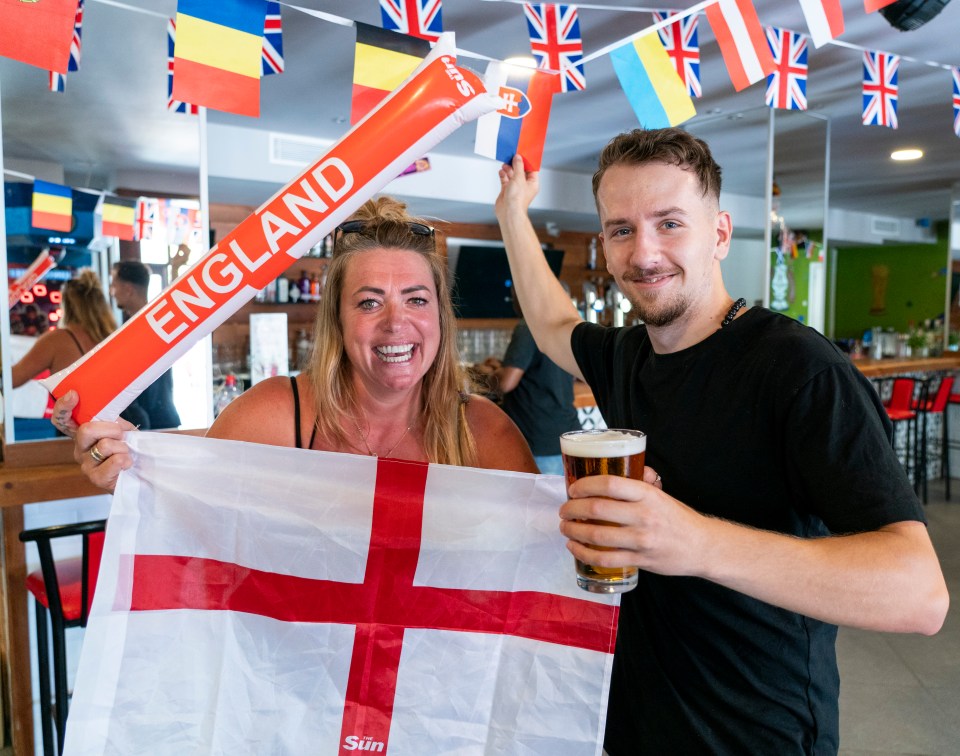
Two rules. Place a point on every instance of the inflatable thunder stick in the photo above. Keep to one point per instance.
(436, 99)
(44, 263)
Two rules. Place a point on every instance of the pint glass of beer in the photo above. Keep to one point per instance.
(603, 452)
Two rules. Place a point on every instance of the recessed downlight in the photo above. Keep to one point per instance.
(524, 61)
(911, 154)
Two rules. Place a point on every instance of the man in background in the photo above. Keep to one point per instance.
(154, 408)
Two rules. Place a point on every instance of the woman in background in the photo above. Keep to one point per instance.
(86, 322)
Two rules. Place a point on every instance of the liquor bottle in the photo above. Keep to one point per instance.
(315, 288)
(304, 284)
(283, 290)
(294, 291)
(229, 391)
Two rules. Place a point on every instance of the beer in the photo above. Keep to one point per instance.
(603, 452)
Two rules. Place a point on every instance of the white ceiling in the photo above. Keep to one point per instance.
(111, 129)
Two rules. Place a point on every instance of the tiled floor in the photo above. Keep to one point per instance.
(900, 694)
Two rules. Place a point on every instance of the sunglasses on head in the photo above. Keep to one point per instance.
(359, 226)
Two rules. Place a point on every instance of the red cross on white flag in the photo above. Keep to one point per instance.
(326, 603)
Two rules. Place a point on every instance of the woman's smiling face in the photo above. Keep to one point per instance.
(390, 318)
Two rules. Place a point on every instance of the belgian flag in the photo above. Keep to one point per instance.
(383, 60)
(118, 215)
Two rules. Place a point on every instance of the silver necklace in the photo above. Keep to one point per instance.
(370, 451)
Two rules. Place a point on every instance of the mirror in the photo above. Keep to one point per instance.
(59, 137)
(740, 142)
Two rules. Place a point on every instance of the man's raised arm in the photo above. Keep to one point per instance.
(546, 306)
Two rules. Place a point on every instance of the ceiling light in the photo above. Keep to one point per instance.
(910, 154)
(524, 61)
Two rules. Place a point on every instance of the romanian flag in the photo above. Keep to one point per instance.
(217, 55)
(118, 215)
(52, 206)
(383, 60)
(651, 83)
(38, 33)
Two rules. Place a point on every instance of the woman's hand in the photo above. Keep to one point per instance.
(101, 452)
(62, 417)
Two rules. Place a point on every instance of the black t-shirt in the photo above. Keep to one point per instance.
(154, 409)
(764, 423)
(542, 403)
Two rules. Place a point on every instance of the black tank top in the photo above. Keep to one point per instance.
(296, 416)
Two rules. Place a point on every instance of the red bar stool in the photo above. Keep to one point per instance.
(64, 589)
(934, 402)
(901, 409)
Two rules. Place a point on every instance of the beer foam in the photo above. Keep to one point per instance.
(602, 443)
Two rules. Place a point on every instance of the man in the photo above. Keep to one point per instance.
(537, 395)
(783, 511)
(154, 408)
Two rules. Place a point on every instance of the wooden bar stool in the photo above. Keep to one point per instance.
(64, 589)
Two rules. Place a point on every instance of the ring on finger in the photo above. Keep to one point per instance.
(96, 454)
(658, 478)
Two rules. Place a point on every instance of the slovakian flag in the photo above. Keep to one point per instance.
(955, 73)
(218, 52)
(787, 85)
(650, 81)
(118, 216)
(272, 56)
(57, 80)
(824, 19)
(680, 41)
(743, 44)
(383, 60)
(418, 18)
(38, 33)
(880, 90)
(520, 126)
(556, 43)
(256, 599)
(52, 206)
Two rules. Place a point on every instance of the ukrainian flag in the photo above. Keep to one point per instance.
(216, 58)
(656, 93)
(52, 206)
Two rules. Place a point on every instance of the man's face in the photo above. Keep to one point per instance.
(124, 294)
(663, 240)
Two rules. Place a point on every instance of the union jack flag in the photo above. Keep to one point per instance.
(147, 211)
(680, 41)
(956, 100)
(272, 62)
(556, 43)
(880, 88)
(787, 85)
(175, 105)
(418, 18)
(58, 81)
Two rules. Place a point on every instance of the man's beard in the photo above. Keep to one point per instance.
(658, 310)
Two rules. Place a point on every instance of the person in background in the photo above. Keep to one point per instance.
(783, 510)
(154, 408)
(86, 322)
(537, 395)
(384, 379)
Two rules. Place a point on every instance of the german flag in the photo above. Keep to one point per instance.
(38, 33)
(118, 216)
(52, 206)
(216, 59)
(383, 60)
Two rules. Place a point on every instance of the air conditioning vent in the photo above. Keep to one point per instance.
(885, 227)
(295, 150)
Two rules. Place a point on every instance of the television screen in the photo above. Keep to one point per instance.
(482, 281)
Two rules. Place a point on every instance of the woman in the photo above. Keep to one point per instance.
(86, 322)
(385, 377)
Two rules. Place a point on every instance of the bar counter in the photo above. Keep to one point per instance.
(897, 366)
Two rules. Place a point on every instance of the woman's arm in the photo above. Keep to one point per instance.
(39, 358)
(500, 445)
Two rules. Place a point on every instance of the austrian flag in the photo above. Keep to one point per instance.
(255, 599)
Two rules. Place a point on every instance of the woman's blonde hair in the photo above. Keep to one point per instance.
(446, 435)
(85, 305)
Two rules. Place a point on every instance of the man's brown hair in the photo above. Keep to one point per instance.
(670, 146)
